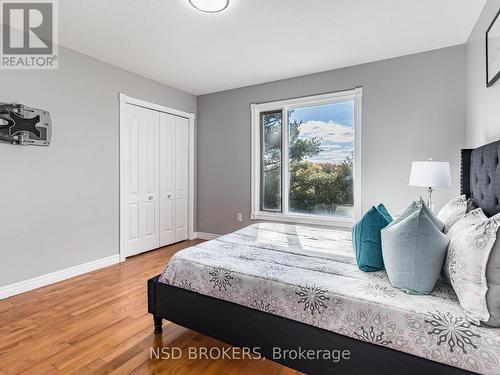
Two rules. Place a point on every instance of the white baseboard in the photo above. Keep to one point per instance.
(206, 236)
(54, 277)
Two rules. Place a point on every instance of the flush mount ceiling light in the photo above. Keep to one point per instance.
(210, 6)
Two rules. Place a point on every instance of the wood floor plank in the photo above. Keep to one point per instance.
(97, 323)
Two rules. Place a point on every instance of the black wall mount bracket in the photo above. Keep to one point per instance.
(22, 125)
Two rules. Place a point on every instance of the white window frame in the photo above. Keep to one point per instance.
(285, 216)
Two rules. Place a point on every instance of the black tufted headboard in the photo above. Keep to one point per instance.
(480, 176)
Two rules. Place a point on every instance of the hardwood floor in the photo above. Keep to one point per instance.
(98, 323)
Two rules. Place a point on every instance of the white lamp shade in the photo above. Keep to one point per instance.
(430, 174)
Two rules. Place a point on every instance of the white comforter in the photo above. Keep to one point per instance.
(309, 275)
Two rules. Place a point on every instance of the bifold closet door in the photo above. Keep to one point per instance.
(141, 175)
(181, 178)
(167, 178)
(174, 132)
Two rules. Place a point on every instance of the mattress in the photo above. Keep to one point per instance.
(310, 275)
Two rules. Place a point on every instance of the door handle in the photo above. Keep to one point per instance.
(150, 198)
(169, 196)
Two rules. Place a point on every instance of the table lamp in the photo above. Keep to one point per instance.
(430, 174)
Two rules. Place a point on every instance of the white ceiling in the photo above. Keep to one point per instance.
(255, 41)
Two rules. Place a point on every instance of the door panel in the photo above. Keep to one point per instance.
(149, 220)
(132, 177)
(141, 179)
(133, 154)
(150, 155)
(133, 228)
(167, 178)
(150, 174)
(181, 177)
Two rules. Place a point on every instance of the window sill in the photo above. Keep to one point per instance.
(305, 219)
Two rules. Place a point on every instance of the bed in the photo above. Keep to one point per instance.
(283, 286)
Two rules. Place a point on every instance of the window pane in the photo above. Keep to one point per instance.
(321, 152)
(270, 124)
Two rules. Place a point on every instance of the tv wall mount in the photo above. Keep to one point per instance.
(22, 125)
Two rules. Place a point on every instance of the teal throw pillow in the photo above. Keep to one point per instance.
(366, 238)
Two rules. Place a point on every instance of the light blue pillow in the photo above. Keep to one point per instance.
(414, 207)
(438, 223)
(366, 238)
(414, 250)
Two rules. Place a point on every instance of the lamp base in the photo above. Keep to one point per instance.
(429, 200)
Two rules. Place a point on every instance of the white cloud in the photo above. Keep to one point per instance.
(336, 138)
(335, 156)
(328, 131)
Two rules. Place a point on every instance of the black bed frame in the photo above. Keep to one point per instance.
(244, 327)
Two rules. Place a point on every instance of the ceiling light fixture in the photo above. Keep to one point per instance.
(210, 6)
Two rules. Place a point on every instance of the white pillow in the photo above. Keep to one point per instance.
(471, 241)
(464, 222)
(453, 211)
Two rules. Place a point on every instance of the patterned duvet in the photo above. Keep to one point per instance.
(310, 275)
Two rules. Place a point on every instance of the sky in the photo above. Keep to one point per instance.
(333, 123)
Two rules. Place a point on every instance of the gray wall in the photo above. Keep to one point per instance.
(413, 108)
(60, 204)
(482, 103)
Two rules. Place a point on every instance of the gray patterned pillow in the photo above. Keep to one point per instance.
(471, 241)
(465, 222)
(471, 205)
(453, 211)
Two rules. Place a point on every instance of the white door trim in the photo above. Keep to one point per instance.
(125, 99)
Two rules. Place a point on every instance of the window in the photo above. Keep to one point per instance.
(271, 171)
(306, 159)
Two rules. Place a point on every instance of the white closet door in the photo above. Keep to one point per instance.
(181, 178)
(167, 179)
(141, 174)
